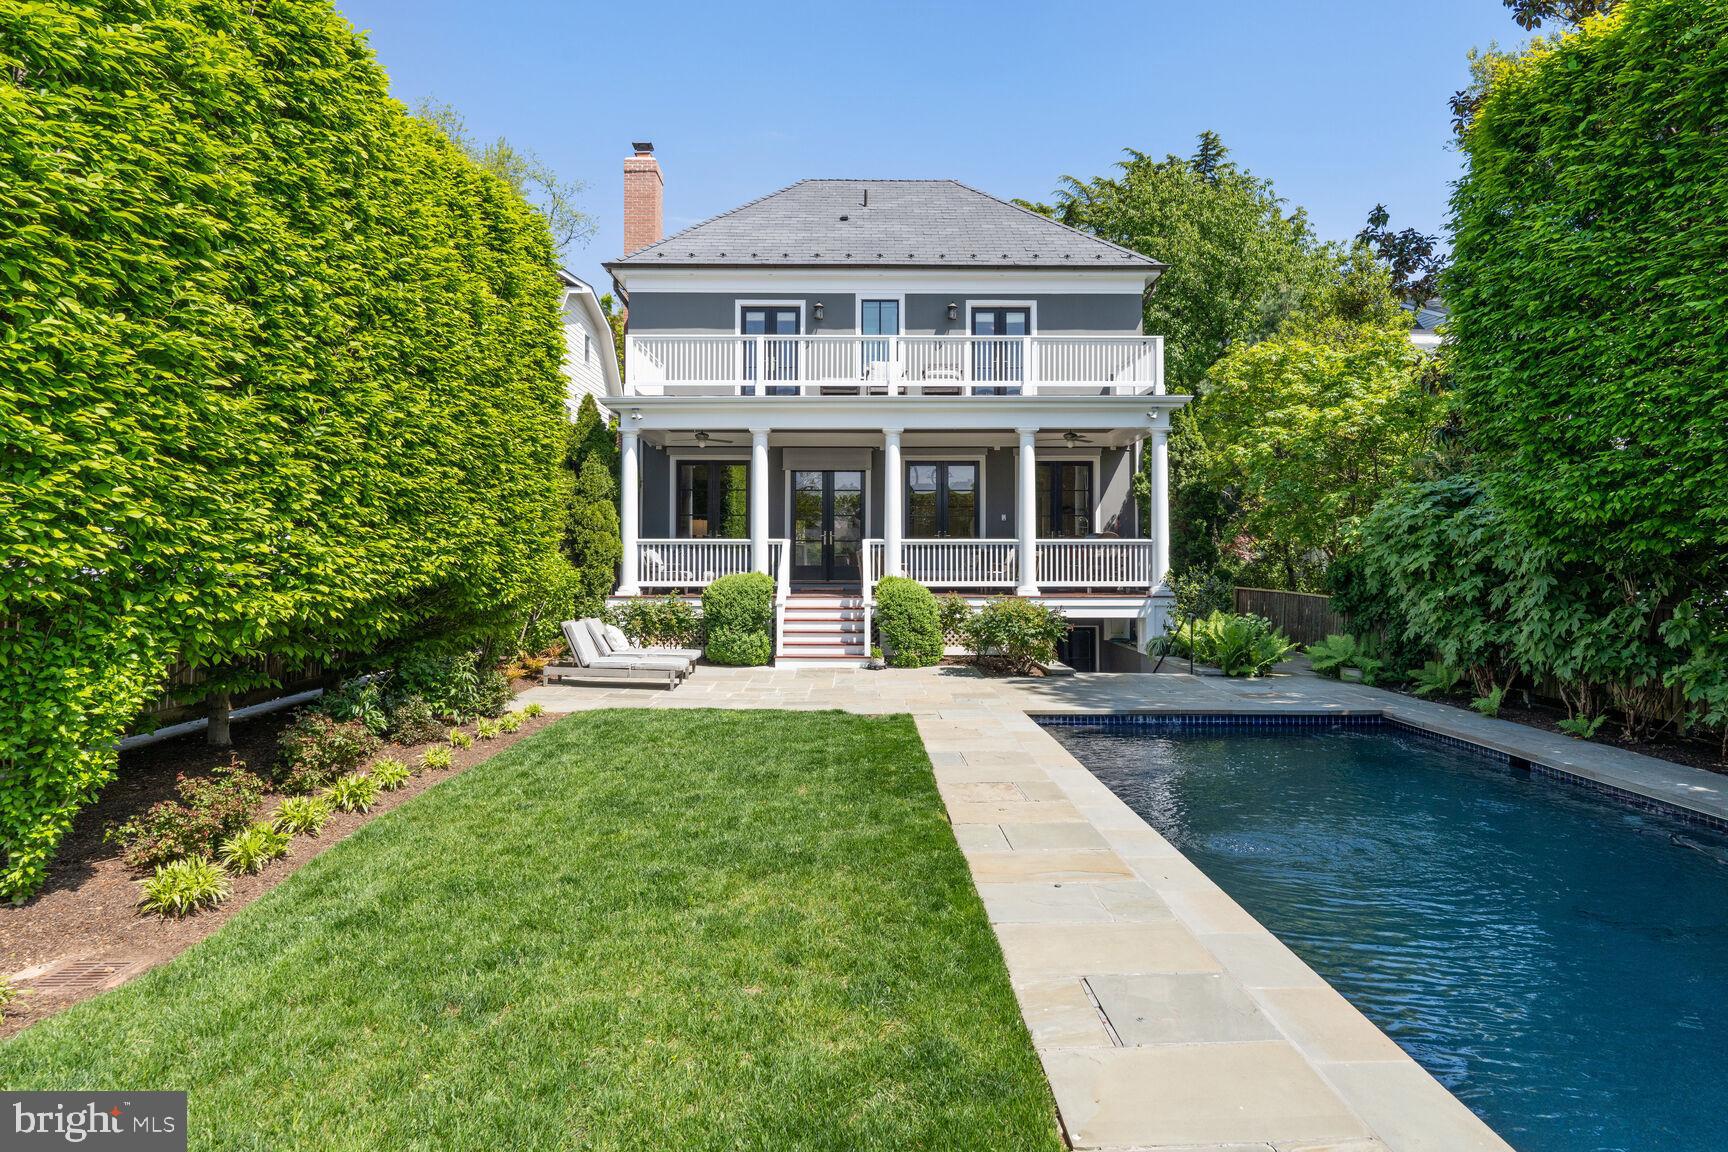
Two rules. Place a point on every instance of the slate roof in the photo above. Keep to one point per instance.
(876, 223)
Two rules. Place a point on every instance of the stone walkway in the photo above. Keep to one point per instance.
(1165, 1015)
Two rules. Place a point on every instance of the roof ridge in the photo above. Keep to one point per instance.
(1059, 224)
(717, 216)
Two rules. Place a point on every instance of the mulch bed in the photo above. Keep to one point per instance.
(87, 909)
(1705, 754)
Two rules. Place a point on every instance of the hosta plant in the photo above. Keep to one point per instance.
(355, 792)
(302, 815)
(1235, 645)
(249, 849)
(437, 756)
(390, 773)
(183, 886)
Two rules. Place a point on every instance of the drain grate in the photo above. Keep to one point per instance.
(83, 975)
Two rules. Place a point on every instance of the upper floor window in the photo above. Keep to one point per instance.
(1000, 365)
(778, 357)
(587, 348)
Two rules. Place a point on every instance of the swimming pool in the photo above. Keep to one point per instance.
(1556, 959)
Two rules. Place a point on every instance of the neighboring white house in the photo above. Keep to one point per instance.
(846, 379)
(590, 358)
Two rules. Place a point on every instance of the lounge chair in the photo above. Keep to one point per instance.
(590, 664)
(612, 642)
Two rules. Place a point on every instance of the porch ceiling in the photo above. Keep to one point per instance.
(1107, 421)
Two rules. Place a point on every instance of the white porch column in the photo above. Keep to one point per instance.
(894, 500)
(629, 510)
(759, 499)
(1026, 511)
(1160, 469)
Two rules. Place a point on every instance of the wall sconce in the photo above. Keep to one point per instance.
(818, 310)
(953, 310)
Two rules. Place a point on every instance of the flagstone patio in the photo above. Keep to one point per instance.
(1165, 1015)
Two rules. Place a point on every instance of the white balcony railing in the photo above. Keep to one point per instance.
(894, 365)
(961, 563)
(1095, 564)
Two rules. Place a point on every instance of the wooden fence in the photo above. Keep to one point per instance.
(179, 699)
(1302, 616)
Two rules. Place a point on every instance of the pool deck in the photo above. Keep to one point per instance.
(1166, 1017)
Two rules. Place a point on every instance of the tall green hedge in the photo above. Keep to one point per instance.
(279, 372)
(1587, 299)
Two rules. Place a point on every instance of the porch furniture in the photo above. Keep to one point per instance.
(590, 664)
(612, 642)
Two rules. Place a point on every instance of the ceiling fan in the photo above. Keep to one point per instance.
(703, 439)
(1073, 438)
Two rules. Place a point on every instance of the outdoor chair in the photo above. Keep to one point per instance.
(589, 664)
(612, 642)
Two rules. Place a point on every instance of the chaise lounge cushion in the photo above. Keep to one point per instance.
(617, 642)
(587, 654)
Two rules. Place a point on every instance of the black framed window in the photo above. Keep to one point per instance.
(942, 499)
(777, 328)
(713, 499)
(1064, 498)
(999, 366)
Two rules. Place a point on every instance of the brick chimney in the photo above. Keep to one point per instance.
(644, 191)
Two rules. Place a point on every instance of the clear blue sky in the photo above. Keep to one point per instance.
(1341, 103)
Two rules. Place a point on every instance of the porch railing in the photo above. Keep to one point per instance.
(995, 563)
(695, 563)
(1095, 564)
(894, 365)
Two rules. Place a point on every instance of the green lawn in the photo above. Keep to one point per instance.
(645, 930)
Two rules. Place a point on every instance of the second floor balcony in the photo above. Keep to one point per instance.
(673, 365)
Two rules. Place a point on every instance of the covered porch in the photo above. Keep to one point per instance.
(1029, 496)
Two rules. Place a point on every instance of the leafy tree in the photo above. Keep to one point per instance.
(614, 321)
(1411, 256)
(1239, 264)
(1530, 14)
(1303, 432)
(592, 538)
(280, 375)
(531, 177)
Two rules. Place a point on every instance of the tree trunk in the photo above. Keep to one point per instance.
(216, 735)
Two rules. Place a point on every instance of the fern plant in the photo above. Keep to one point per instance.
(390, 773)
(302, 815)
(1436, 678)
(355, 792)
(1489, 705)
(249, 849)
(183, 886)
(1330, 655)
(1582, 727)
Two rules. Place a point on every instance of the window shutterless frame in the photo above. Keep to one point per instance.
(999, 366)
(943, 499)
(776, 326)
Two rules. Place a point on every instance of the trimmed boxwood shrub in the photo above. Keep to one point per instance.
(909, 622)
(281, 375)
(739, 613)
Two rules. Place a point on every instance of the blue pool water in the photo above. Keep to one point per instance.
(1558, 960)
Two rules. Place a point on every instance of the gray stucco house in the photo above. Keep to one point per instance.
(846, 379)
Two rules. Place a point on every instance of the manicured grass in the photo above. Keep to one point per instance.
(645, 930)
